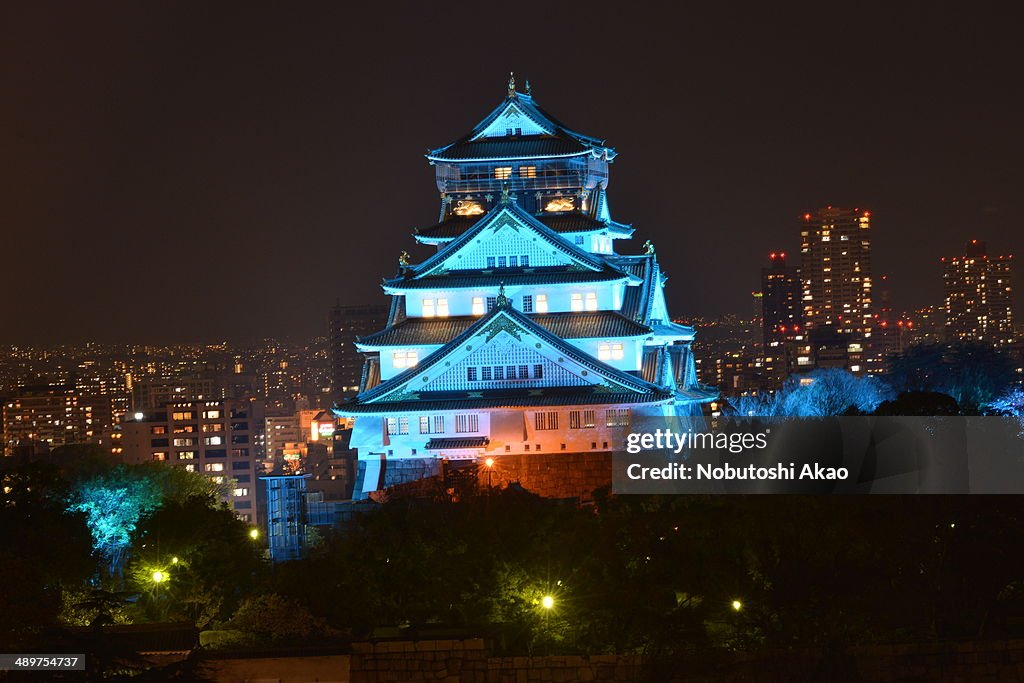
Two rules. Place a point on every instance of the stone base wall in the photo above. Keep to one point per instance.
(468, 661)
(552, 475)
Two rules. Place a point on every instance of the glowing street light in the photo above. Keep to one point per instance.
(737, 605)
(489, 464)
(159, 576)
(254, 533)
(174, 560)
(547, 602)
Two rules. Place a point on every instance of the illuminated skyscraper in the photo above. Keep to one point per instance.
(978, 295)
(781, 290)
(835, 266)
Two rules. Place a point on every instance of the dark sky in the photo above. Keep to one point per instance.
(195, 171)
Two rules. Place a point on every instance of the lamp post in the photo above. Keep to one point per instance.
(489, 462)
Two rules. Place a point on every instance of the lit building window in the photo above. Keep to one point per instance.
(211, 414)
(214, 467)
(527, 171)
(503, 172)
(478, 305)
(160, 456)
(406, 359)
(609, 351)
(576, 302)
(542, 303)
(240, 492)
(591, 301)
(428, 308)
(214, 440)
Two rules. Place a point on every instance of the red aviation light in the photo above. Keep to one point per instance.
(807, 216)
(782, 255)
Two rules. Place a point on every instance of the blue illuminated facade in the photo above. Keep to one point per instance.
(525, 331)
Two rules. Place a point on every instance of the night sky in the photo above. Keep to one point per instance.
(197, 171)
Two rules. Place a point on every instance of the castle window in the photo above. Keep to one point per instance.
(499, 372)
(465, 424)
(538, 371)
(616, 417)
(503, 172)
(542, 302)
(501, 261)
(428, 308)
(431, 424)
(471, 374)
(524, 261)
(406, 359)
(485, 373)
(524, 372)
(442, 308)
(398, 425)
(510, 372)
(576, 301)
(478, 305)
(513, 261)
(490, 261)
(545, 421)
(591, 301)
(527, 171)
(579, 240)
(609, 351)
(528, 304)
(492, 301)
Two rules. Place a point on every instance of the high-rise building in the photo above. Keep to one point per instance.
(45, 417)
(345, 325)
(781, 306)
(215, 438)
(525, 334)
(978, 295)
(835, 266)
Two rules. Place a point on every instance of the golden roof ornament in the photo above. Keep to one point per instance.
(511, 84)
(529, 90)
(403, 259)
(649, 248)
(501, 301)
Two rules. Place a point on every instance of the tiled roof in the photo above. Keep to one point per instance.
(465, 442)
(461, 279)
(525, 147)
(560, 222)
(504, 399)
(429, 331)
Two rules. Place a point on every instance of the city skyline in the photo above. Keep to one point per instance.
(127, 189)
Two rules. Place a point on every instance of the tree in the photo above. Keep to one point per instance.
(974, 374)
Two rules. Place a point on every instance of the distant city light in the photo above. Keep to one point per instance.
(138, 417)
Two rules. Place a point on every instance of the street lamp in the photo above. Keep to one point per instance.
(159, 577)
(489, 462)
(737, 605)
(254, 533)
(547, 602)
